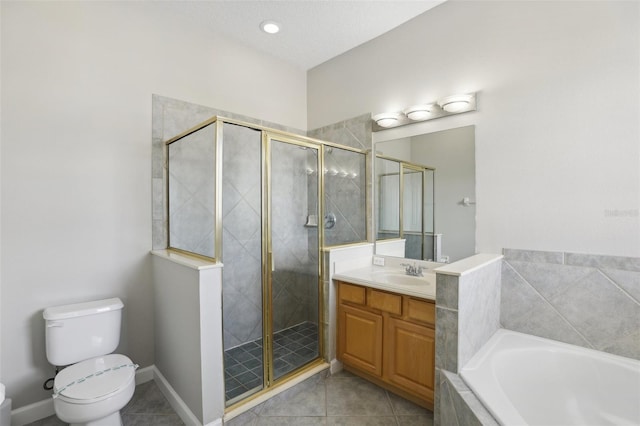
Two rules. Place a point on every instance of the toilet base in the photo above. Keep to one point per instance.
(110, 420)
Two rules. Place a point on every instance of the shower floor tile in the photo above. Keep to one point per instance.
(292, 348)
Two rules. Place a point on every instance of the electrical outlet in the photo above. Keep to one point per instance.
(379, 261)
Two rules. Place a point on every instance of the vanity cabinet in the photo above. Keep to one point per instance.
(389, 339)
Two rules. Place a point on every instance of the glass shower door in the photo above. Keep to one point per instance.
(242, 288)
(293, 268)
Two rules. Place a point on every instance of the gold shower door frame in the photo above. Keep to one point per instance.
(268, 136)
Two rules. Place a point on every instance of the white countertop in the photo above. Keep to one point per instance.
(468, 264)
(385, 278)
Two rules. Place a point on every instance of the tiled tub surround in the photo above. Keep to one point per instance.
(467, 308)
(581, 299)
(467, 315)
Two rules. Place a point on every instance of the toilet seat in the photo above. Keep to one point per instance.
(94, 379)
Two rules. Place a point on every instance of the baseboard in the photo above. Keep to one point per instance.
(144, 375)
(178, 405)
(336, 366)
(32, 412)
(42, 409)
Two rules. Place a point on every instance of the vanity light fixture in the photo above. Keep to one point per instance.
(270, 27)
(455, 103)
(449, 105)
(419, 112)
(386, 119)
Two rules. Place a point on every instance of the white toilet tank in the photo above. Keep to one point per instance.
(82, 330)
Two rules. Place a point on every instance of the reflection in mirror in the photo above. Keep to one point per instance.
(452, 154)
(387, 198)
(404, 197)
(192, 192)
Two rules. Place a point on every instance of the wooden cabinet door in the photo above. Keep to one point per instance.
(409, 354)
(360, 339)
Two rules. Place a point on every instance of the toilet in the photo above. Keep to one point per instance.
(96, 384)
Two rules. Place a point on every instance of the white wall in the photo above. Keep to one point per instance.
(452, 154)
(77, 80)
(557, 129)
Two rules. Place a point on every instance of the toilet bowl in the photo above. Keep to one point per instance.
(93, 392)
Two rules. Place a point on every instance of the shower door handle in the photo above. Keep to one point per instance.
(272, 263)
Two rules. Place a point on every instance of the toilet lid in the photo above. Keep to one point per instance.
(94, 378)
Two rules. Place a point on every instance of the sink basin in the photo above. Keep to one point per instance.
(394, 277)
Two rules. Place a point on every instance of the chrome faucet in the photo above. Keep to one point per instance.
(413, 270)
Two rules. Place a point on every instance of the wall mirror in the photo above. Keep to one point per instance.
(425, 194)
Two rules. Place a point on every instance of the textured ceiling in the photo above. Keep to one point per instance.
(313, 31)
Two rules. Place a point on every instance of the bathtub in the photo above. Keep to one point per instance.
(527, 380)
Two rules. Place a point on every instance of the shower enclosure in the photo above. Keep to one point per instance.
(271, 258)
(250, 197)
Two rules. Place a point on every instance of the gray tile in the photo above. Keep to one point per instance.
(356, 397)
(446, 339)
(48, 421)
(524, 310)
(465, 415)
(362, 421)
(627, 346)
(415, 420)
(515, 296)
(247, 418)
(629, 281)
(403, 407)
(534, 256)
(447, 291)
(447, 413)
(305, 399)
(598, 310)
(436, 399)
(455, 382)
(292, 421)
(147, 399)
(343, 374)
(151, 419)
(550, 279)
(603, 262)
(479, 309)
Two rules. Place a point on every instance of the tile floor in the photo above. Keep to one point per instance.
(342, 399)
(147, 407)
(292, 348)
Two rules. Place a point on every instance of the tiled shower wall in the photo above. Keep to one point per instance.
(345, 196)
(581, 299)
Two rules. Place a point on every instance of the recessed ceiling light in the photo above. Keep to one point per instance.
(270, 27)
